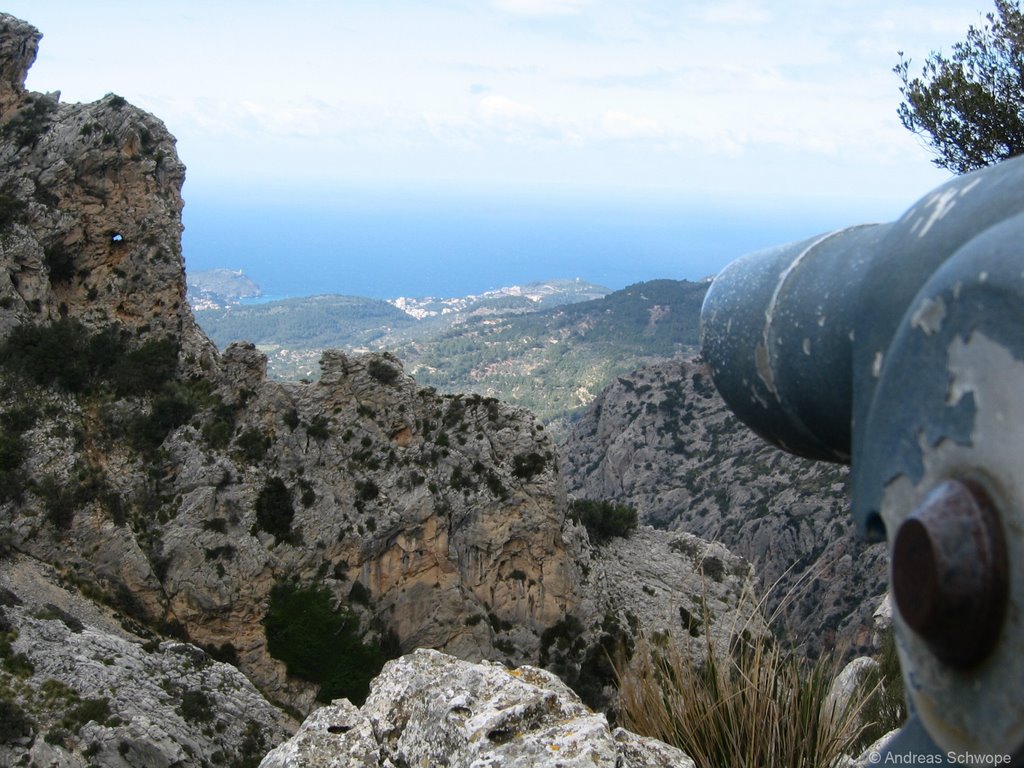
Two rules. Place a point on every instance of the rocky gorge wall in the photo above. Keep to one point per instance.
(178, 504)
(662, 440)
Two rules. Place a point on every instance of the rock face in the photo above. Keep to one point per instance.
(662, 440)
(94, 693)
(90, 202)
(187, 492)
(432, 709)
(270, 524)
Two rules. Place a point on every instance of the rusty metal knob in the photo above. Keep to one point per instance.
(949, 573)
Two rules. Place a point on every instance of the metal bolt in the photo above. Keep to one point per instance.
(950, 575)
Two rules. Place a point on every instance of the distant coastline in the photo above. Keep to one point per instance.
(456, 246)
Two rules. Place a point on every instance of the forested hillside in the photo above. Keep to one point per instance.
(311, 322)
(555, 362)
(552, 360)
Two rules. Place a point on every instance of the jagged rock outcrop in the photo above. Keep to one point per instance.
(188, 492)
(301, 531)
(82, 689)
(662, 440)
(431, 709)
(90, 207)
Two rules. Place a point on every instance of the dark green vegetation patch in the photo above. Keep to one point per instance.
(320, 643)
(603, 519)
(274, 510)
(66, 355)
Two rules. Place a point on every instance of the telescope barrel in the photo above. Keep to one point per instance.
(777, 331)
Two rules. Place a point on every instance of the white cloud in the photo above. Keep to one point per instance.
(623, 125)
(737, 12)
(541, 7)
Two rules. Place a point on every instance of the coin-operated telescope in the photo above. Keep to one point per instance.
(899, 349)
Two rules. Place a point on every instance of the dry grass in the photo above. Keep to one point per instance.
(754, 705)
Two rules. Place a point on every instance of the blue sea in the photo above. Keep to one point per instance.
(385, 244)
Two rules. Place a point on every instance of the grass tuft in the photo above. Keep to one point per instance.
(752, 705)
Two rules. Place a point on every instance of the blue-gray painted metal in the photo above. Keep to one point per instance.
(776, 330)
(900, 348)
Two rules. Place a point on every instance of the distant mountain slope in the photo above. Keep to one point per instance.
(661, 439)
(310, 322)
(539, 346)
(556, 361)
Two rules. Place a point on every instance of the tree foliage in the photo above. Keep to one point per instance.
(320, 642)
(604, 519)
(969, 108)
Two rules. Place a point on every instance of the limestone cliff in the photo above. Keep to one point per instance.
(89, 691)
(185, 485)
(90, 204)
(662, 440)
(302, 532)
(431, 709)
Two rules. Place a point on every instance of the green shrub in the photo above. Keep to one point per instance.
(290, 419)
(12, 208)
(14, 723)
(146, 368)
(172, 406)
(604, 519)
(196, 706)
(381, 371)
(253, 444)
(12, 453)
(320, 643)
(526, 465)
(59, 500)
(274, 510)
(319, 428)
(65, 354)
(218, 433)
(87, 710)
(19, 665)
(30, 122)
(366, 490)
(51, 355)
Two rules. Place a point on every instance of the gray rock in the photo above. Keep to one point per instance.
(662, 440)
(98, 695)
(431, 709)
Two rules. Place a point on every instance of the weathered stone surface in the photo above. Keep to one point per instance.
(675, 584)
(431, 709)
(439, 521)
(97, 694)
(19, 43)
(662, 440)
(447, 512)
(92, 210)
(849, 679)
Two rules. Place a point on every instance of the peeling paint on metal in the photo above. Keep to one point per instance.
(929, 316)
(764, 367)
(876, 365)
(962, 711)
(941, 204)
(767, 365)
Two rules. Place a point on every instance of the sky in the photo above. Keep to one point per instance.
(766, 105)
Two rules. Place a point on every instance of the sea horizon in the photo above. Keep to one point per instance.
(456, 244)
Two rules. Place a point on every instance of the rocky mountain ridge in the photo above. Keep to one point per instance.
(300, 532)
(661, 439)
